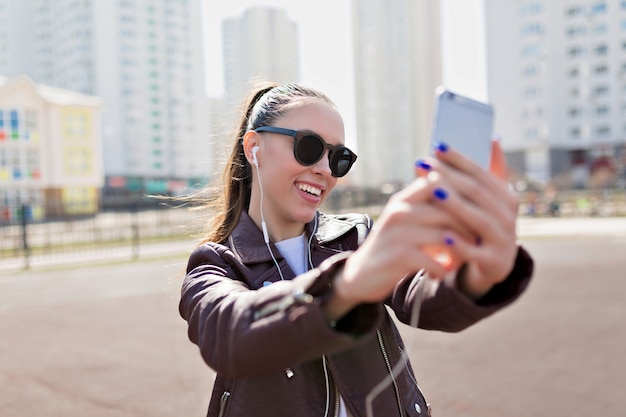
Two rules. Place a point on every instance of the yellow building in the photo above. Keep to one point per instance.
(50, 150)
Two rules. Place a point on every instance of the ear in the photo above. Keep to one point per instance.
(250, 141)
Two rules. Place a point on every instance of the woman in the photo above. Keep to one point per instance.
(287, 304)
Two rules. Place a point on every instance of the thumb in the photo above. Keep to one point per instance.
(497, 163)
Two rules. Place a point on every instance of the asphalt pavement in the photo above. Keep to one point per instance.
(106, 340)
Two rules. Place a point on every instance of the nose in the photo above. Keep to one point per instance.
(322, 167)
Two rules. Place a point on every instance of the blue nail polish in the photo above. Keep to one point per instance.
(267, 283)
(420, 163)
(440, 194)
(449, 241)
(441, 147)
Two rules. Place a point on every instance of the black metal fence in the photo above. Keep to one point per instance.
(27, 242)
(30, 241)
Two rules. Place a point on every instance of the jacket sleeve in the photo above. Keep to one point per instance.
(242, 332)
(447, 309)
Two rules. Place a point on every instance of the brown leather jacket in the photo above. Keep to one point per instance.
(267, 345)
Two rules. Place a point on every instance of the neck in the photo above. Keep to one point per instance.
(277, 228)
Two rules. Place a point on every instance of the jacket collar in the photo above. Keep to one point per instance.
(247, 238)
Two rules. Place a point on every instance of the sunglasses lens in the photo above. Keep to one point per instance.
(310, 149)
(341, 162)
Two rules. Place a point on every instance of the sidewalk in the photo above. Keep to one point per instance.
(571, 227)
(106, 340)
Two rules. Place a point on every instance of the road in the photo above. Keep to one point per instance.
(107, 341)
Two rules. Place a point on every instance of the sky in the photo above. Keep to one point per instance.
(326, 25)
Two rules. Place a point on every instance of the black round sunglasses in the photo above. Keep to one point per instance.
(309, 148)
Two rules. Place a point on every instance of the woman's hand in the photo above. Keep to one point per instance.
(483, 202)
(398, 244)
(455, 205)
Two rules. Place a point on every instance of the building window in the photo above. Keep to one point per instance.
(574, 112)
(600, 90)
(600, 29)
(601, 49)
(602, 110)
(575, 51)
(575, 132)
(576, 30)
(531, 91)
(574, 72)
(531, 8)
(603, 130)
(531, 133)
(601, 69)
(574, 11)
(530, 71)
(599, 8)
(531, 50)
(532, 29)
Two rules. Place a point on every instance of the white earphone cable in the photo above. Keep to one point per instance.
(266, 236)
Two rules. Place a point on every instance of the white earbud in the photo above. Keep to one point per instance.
(254, 160)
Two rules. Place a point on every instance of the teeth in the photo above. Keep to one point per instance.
(309, 189)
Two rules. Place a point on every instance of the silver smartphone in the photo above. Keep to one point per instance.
(464, 124)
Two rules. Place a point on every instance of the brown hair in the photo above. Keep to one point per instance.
(265, 103)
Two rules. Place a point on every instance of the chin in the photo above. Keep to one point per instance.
(306, 217)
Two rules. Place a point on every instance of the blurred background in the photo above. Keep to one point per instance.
(108, 105)
(135, 97)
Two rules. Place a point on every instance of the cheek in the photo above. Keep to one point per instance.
(330, 185)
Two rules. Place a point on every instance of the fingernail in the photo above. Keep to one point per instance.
(449, 241)
(440, 194)
(441, 147)
(420, 163)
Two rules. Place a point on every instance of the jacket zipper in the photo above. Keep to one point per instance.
(336, 413)
(223, 402)
(390, 370)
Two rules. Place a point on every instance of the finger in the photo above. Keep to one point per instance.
(472, 194)
(497, 161)
(455, 159)
(490, 220)
(410, 211)
(494, 193)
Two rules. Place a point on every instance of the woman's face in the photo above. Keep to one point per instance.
(292, 192)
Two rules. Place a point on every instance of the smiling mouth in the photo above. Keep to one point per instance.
(309, 189)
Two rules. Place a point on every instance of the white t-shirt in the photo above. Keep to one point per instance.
(295, 252)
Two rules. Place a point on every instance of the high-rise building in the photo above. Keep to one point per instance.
(557, 79)
(397, 53)
(262, 44)
(145, 58)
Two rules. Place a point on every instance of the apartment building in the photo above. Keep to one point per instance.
(50, 150)
(145, 58)
(557, 77)
(398, 66)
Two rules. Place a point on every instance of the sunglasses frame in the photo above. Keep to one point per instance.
(297, 135)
